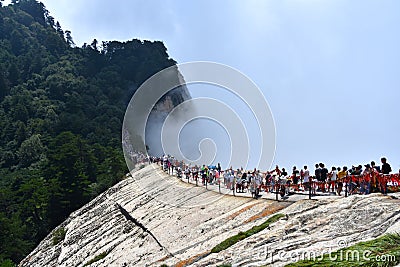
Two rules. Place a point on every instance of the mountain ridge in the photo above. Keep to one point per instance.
(200, 219)
(61, 114)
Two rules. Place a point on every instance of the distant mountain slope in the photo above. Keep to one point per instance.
(61, 113)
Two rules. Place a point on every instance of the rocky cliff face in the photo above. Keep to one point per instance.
(129, 226)
(153, 106)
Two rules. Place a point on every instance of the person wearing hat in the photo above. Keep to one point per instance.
(367, 169)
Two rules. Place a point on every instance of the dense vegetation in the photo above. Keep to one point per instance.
(242, 235)
(61, 111)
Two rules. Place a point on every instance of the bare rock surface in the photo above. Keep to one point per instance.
(312, 228)
(152, 219)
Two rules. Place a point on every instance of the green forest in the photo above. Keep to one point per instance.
(61, 113)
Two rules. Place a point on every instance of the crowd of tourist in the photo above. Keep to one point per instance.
(337, 180)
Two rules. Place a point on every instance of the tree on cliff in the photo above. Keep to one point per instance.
(61, 112)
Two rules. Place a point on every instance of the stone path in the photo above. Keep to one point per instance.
(153, 218)
(292, 196)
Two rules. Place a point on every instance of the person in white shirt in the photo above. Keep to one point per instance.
(306, 178)
(333, 177)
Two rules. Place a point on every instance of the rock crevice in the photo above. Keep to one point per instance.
(140, 225)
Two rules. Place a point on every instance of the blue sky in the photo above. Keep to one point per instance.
(330, 70)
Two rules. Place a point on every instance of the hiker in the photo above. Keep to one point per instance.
(211, 176)
(377, 168)
(295, 178)
(255, 182)
(358, 170)
(165, 162)
(385, 170)
(244, 179)
(365, 185)
(306, 178)
(317, 176)
(219, 168)
(268, 178)
(282, 181)
(342, 174)
(242, 182)
(204, 171)
(277, 170)
(375, 178)
(179, 172)
(252, 184)
(187, 172)
(217, 177)
(238, 181)
(258, 181)
(231, 177)
(323, 176)
(332, 180)
(195, 173)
